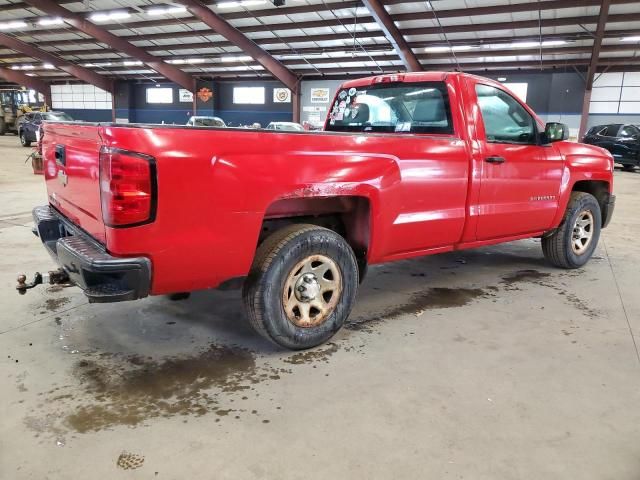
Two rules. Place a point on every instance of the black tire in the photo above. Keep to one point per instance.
(23, 139)
(557, 247)
(628, 168)
(273, 266)
(3, 126)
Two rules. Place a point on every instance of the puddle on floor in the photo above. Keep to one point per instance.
(53, 304)
(128, 393)
(418, 303)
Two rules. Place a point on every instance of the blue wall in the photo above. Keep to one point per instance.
(89, 115)
(131, 104)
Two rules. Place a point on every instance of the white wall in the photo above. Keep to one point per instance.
(616, 93)
(79, 96)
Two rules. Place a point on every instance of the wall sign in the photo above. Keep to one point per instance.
(185, 95)
(281, 95)
(205, 94)
(319, 95)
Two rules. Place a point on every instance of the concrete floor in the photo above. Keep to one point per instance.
(484, 364)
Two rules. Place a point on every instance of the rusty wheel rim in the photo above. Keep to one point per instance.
(312, 291)
(582, 232)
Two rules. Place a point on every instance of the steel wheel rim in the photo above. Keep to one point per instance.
(312, 291)
(582, 233)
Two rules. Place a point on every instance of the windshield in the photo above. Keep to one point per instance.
(57, 117)
(208, 122)
(404, 108)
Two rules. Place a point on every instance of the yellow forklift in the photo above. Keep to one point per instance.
(14, 103)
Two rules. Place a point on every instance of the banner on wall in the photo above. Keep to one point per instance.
(281, 95)
(185, 95)
(205, 94)
(319, 95)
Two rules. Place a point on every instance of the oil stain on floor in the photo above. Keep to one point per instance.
(128, 393)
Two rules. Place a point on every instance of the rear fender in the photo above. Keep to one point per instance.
(313, 175)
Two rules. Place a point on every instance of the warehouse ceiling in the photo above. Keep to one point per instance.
(316, 38)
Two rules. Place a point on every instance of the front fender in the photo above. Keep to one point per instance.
(582, 162)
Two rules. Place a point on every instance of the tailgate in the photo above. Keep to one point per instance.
(72, 172)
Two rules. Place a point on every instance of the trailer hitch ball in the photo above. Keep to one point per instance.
(53, 278)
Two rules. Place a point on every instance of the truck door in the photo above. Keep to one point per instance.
(520, 179)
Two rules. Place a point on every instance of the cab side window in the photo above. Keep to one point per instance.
(505, 120)
(611, 131)
(629, 131)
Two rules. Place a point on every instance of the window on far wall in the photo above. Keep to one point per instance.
(248, 95)
(159, 95)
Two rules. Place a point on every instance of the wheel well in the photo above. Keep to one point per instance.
(597, 188)
(345, 215)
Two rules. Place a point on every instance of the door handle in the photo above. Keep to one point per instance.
(496, 160)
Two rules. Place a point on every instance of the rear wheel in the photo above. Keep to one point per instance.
(573, 243)
(628, 168)
(302, 286)
(23, 139)
(3, 126)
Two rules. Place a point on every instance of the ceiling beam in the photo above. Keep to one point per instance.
(169, 71)
(77, 71)
(109, 54)
(593, 65)
(431, 30)
(421, 14)
(248, 46)
(27, 81)
(393, 34)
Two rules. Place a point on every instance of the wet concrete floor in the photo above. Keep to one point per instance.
(477, 364)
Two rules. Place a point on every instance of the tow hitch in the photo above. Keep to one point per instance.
(57, 277)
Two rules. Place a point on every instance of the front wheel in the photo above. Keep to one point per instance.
(301, 287)
(23, 139)
(573, 243)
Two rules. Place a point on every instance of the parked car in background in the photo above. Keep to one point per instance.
(286, 126)
(198, 121)
(29, 125)
(623, 141)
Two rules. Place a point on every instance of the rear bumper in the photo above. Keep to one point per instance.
(607, 211)
(104, 278)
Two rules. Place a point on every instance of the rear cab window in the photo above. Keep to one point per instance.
(410, 107)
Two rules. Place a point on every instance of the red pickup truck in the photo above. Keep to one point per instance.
(407, 165)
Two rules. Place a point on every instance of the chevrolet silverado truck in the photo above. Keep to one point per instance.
(407, 165)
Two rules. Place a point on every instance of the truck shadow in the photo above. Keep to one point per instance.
(443, 281)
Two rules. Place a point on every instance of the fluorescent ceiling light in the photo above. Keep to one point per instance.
(240, 3)
(631, 39)
(446, 48)
(48, 66)
(240, 58)
(165, 10)
(502, 79)
(545, 43)
(50, 21)
(130, 63)
(106, 16)
(11, 25)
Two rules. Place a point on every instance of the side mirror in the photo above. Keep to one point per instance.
(555, 132)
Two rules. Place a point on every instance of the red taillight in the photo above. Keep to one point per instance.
(127, 187)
